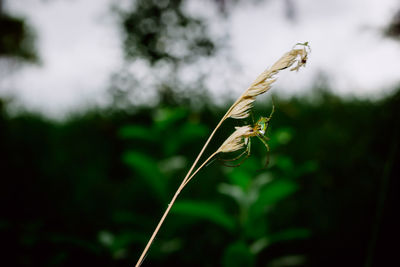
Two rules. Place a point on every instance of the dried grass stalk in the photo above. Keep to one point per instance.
(239, 110)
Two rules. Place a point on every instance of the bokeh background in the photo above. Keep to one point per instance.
(104, 105)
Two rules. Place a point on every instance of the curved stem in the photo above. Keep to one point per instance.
(139, 262)
(199, 168)
(182, 185)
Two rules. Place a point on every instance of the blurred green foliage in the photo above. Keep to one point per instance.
(90, 190)
(16, 39)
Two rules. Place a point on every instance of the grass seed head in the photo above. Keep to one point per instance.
(241, 108)
(236, 140)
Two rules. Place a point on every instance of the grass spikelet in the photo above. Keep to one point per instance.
(236, 140)
(240, 109)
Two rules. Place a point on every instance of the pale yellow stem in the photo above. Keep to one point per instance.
(183, 184)
(201, 166)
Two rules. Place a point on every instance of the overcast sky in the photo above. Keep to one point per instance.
(345, 35)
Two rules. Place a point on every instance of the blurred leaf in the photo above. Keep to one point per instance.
(172, 245)
(166, 117)
(255, 227)
(137, 132)
(118, 243)
(290, 234)
(192, 131)
(283, 135)
(259, 245)
(106, 238)
(261, 181)
(206, 211)
(238, 254)
(234, 191)
(308, 167)
(147, 168)
(276, 191)
(255, 231)
(186, 133)
(272, 193)
(172, 163)
(241, 178)
(289, 260)
(284, 163)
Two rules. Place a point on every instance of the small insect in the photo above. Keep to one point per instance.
(304, 55)
(259, 130)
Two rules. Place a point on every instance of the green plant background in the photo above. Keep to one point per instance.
(90, 190)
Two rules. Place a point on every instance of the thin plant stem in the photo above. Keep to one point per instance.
(139, 262)
(199, 168)
(239, 110)
(182, 185)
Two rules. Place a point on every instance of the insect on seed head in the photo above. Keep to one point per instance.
(261, 125)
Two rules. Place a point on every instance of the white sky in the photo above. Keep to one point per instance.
(345, 36)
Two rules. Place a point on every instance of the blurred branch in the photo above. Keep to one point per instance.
(393, 30)
(16, 39)
(163, 30)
